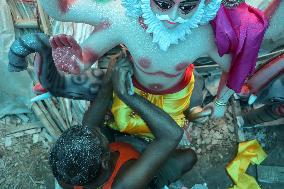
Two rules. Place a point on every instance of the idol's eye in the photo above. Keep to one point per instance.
(186, 7)
(163, 4)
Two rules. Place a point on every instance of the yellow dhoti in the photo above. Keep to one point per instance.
(174, 104)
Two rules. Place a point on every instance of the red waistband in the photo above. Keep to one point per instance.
(181, 85)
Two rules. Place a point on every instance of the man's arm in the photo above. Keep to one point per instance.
(95, 115)
(166, 131)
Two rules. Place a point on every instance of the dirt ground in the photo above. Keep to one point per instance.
(24, 159)
(24, 165)
(220, 147)
(23, 156)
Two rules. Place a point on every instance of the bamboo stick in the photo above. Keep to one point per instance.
(31, 24)
(78, 109)
(14, 10)
(48, 116)
(63, 111)
(44, 20)
(54, 133)
(68, 110)
(55, 115)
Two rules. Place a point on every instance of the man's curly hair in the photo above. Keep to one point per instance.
(76, 156)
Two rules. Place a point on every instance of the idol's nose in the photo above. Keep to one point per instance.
(173, 13)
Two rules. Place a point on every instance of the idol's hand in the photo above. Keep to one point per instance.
(197, 115)
(121, 78)
(67, 53)
(216, 108)
(219, 105)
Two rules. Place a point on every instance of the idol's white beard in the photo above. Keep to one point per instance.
(164, 36)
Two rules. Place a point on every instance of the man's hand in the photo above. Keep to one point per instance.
(121, 78)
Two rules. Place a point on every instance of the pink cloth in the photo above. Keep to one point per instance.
(239, 31)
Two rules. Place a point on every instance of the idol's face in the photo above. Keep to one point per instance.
(173, 12)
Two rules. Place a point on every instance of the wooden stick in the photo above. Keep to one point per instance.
(48, 116)
(52, 131)
(78, 109)
(68, 110)
(55, 114)
(63, 110)
(23, 24)
(44, 20)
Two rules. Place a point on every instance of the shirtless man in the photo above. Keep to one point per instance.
(83, 157)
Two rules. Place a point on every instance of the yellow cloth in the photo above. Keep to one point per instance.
(248, 152)
(174, 104)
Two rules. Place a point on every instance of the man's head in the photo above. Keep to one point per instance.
(79, 156)
(174, 12)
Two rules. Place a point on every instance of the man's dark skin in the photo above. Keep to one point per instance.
(136, 173)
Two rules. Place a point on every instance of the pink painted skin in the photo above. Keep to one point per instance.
(102, 26)
(63, 50)
(67, 52)
(280, 110)
(181, 66)
(270, 10)
(88, 55)
(145, 63)
(65, 4)
(156, 86)
(263, 77)
(142, 24)
(160, 73)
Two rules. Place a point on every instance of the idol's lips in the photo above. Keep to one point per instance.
(161, 73)
(170, 22)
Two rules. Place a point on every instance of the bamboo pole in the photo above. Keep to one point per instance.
(44, 19)
(63, 111)
(55, 114)
(54, 133)
(47, 115)
(23, 24)
(68, 110)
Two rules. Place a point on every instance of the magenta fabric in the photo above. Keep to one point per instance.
(239, 31)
